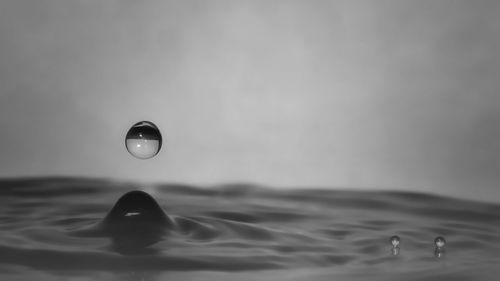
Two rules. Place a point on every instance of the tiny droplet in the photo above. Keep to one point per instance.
(439, 242)
(143, 140)
(395, 240)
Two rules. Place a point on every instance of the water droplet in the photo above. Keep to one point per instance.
(143, 140)
(439, 242)
(395, 240)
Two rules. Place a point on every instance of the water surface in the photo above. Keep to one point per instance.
(52, 229)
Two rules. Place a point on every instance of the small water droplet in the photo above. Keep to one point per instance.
(143, 140)
(395, 240)
(439, 242)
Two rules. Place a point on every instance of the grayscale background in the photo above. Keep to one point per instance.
(334, 94)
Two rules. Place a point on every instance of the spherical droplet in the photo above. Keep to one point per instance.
(143, 140)
(439, 242)
(395, 240)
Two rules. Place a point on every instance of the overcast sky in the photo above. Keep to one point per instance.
(366, 94)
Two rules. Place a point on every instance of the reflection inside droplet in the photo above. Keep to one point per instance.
(143, 140)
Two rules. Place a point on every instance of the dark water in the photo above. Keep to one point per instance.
(59, 229)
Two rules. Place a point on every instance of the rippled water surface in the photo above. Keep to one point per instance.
(54, 229)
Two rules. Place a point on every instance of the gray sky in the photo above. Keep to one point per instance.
(370, 94)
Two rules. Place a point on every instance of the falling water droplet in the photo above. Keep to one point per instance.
(143, 140)
(439, 242)
(395, 240)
